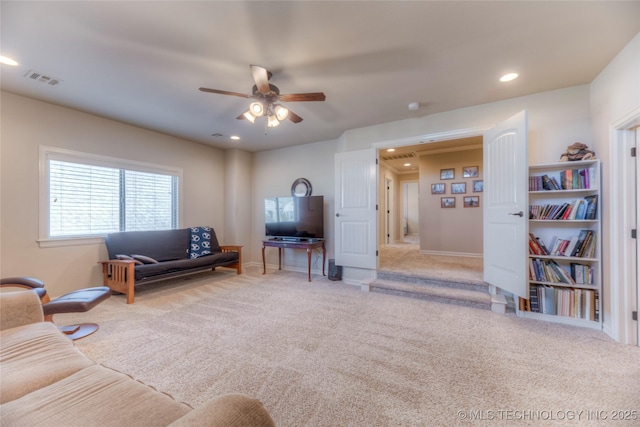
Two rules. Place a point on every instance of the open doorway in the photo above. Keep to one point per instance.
(428, 237)
(410, 212)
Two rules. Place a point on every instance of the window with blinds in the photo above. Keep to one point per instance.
(90, 200)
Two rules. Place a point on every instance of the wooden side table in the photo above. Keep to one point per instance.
(282, 244)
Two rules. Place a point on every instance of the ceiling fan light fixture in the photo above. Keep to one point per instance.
(281, 112)
(272, 121)
(247, 115)
(257, 109)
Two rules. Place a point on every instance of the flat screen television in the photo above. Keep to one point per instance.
(294, 218)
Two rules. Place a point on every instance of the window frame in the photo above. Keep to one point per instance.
(47, 153)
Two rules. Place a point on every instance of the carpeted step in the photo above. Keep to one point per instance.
(425, 280)
(446, 295)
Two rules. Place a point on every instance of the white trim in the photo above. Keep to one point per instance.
(62, 154)
(450, 150)
(53, 153)
(622, 300)
(70, 241)
(441, 253)
(434, 137)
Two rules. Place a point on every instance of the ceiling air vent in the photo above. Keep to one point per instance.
(216, 135)
(39, 77)
(399, 156)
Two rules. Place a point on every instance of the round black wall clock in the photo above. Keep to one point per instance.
(301, 187)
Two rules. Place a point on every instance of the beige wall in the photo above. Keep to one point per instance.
(238, 207)
(27, 124)
(450, 230)
(273, 173)
(411, 199)
(615, 95)
(556, 119)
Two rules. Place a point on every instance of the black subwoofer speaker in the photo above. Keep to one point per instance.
(335, 271)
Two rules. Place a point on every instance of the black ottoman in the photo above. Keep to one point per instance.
(77, 302)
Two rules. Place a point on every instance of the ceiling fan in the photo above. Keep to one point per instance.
(266, 99)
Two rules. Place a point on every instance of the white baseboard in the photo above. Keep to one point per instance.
(463, 254)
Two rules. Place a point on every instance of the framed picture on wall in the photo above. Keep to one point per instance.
(448, 202)
(458, 188)
(478, 186)
(470, 172)
(471, 201)
(438, 188)
(447, 173)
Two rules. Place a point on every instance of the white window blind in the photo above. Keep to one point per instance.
(89, 200)
(149, 201)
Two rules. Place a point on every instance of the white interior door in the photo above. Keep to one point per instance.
(506, 205)
(388, 204)
(356, 203)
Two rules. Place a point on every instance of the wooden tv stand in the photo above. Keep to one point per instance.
(281, 244)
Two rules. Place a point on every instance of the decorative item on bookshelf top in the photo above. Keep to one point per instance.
(576, 152)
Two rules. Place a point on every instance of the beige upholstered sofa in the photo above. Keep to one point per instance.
(46, 380)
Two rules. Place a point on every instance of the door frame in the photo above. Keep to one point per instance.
(623, 251)
(404, 185)
(429, 138)
(388, 203)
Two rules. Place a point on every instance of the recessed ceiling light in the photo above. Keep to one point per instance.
(407, 164)
(509, 77)
(391, 150)
(414, 106)
(235, 137)
(7, 61)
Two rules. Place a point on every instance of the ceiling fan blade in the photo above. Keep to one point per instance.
(225, 92)
(261, 77)
(297, 97)
(294, 117)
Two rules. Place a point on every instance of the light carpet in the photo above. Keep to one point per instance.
(406, 259)
(327, 354)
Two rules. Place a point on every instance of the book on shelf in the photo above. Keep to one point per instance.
(582, 246)
(571, 245)
(592, 207)
(566, 302)
(549, 184)
(549, 299)
(579, 209)
(582, 274)
(585, 239)
(568, 179)
(533, 299)
(542, 246)
(575, 179)
(537, 246)
(549, 271)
